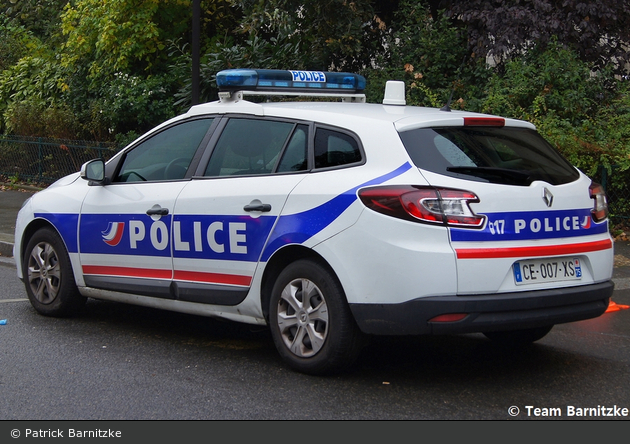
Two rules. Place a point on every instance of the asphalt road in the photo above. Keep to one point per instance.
(120, 362)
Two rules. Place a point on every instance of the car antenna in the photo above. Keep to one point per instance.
(447, 107)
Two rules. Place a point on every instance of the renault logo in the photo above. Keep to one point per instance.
(547, 197)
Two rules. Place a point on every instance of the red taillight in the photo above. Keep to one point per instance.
(600, 207)
(442, 206)
(484, 121)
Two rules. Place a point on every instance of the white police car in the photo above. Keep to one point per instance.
(327, 221)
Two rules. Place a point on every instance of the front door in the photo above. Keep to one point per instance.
(125, 227)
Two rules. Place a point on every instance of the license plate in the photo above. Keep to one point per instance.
(547, 270)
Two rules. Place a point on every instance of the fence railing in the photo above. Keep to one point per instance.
(617, 186)
(43, 160)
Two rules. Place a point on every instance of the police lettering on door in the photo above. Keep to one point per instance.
(209, 237)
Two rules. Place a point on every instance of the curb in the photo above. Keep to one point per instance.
(6, 249)
(16, 186)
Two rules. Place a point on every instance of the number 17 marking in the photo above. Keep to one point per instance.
(497, 227)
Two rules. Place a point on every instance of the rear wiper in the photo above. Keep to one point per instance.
(495, 175)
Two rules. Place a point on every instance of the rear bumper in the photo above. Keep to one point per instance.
(489, 312)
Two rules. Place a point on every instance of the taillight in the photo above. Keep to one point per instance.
(600, 208)
(442, 206)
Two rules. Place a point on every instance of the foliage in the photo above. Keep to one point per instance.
(598, 31)
(335, 33)
(430, 53)
(553, 79)
(15, 43)
(120, 35)
(254, 53)
(40, 17)
(33, 79)
(128, 103)
(110, 70)
(34, 118)
(582, 113)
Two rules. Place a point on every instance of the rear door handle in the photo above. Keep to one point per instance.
(256, 205)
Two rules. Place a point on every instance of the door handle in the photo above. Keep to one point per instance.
(157, 210)
(256, 205)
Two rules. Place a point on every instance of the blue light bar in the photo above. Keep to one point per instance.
(275, 80)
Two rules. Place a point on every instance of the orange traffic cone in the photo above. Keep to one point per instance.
(613, 306)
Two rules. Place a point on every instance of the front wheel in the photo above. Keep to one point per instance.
(311, 323)
(48, 275)
(518, 337)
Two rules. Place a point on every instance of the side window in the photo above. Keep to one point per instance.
(166, 155)
(333, 148)
(295, 157)
(249, 146)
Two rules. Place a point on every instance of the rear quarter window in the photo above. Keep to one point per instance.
(334, 149)
(512, 156)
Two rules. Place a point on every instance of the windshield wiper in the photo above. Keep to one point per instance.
(495, 175)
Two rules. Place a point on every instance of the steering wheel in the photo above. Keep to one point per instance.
(135, 174)
(175, 171)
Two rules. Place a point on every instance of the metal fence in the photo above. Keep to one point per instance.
(42, 161)
(617, 186)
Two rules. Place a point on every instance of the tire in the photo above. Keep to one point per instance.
(518, 337)
(48, 276)
(317, 336)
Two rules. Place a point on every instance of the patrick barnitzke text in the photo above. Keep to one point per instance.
(72, 433)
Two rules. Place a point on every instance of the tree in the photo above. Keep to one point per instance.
(335, 34)
(121, 35)
(40, 17)
(599, 31)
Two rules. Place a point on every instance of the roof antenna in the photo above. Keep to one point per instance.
(447, 107)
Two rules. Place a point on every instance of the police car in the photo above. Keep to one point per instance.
(327, 222)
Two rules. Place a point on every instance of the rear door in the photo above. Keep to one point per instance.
(223, 217)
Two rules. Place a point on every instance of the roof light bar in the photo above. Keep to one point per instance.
(279, 82)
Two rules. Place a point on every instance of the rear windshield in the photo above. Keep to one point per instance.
(511, 156)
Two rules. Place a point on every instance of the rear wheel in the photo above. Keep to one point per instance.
(48, 275)
(310, 320)
(518, 337)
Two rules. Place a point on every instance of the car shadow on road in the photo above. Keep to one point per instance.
(413, 361)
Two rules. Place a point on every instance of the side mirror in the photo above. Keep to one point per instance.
(94, 171)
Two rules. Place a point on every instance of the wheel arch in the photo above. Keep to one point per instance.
(50, 286)
(278, 262)
(31, 229)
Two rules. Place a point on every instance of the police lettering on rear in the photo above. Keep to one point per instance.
(533, 225)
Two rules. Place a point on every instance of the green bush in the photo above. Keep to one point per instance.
(15, 43)
(430, 54)
(581, 112)
(126, 103)
(36, 119)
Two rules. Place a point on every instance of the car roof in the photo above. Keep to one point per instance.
(341, 113)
